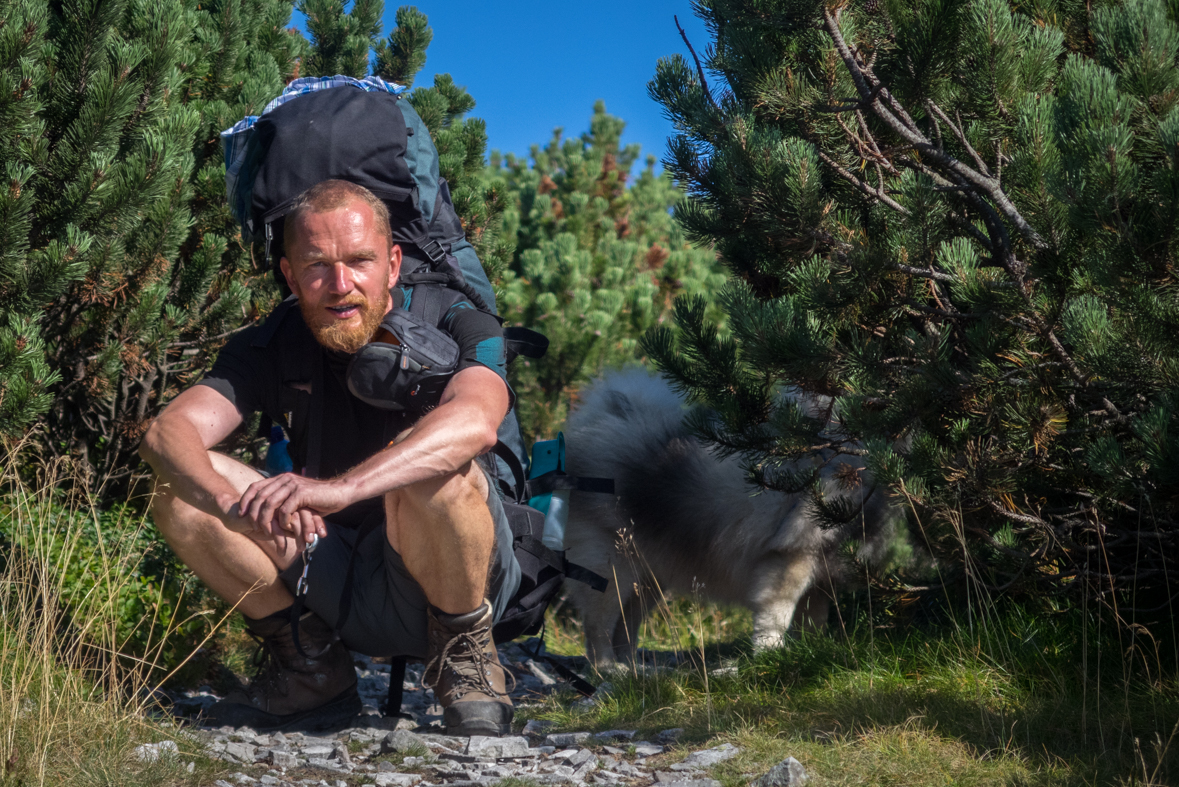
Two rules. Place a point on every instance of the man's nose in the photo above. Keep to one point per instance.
(341, 278)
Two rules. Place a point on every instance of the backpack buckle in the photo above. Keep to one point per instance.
(434, 251)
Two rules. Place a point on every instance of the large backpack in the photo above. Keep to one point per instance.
(360, 131)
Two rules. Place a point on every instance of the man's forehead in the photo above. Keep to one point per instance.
(317, 233)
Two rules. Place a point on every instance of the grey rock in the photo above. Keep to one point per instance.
(397, 779)
(645, 749)
(615, 735)
(384, 766)
(268, 779)
(788, 773)
(242, 752)
(283, 759)
(691, 783)
(500, 748)
(670, 736)
(317, 751)
(705, 758)
(538, 727)
(150, 752)
(614, 750)
(221, 783)
(563, 740)
(544, 750)
(340, 752)
(242, 778)
(581, 756)
(401, 741)
(563, 754)
(539, 673)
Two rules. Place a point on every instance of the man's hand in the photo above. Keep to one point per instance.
(291, 503)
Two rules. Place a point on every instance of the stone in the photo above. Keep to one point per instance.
(150, 752)
(401, 741)
(670, 736)
(706, 758)
(242, 752)
(691, 783)
(538, 727)
(539, 673)
(617, 752)
(317, 751)
(283, 759)
(221, 783)
(242, 778)
(615, 735)
(397, 779)
(645, 749)
(563, 740)
(788, 773)
(500, 748)
(544, 750)
(581, 756)
(384, 766)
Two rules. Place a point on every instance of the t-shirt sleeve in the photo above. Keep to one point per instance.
(480, 339)
(237, 373)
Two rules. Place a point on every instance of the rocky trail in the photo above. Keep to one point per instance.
(408, 750)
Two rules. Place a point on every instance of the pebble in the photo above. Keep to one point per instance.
(150, 752)
(788, 773)
(375, 750)
(563, 740)
(706, 758)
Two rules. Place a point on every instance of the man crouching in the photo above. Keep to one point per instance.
(411, 536)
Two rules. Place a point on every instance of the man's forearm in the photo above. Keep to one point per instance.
(174, 449)
(439, 444)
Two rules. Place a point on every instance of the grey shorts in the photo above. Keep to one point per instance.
(388, 607)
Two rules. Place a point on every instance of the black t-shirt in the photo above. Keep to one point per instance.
(271, 367)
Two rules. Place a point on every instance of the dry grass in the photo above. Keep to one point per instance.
(73, 705)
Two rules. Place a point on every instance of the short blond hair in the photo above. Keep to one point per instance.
(332, 195)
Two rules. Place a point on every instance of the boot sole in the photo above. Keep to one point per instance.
(492, 719)
(334, 715)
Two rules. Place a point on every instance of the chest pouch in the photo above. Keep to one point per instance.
(406, 366)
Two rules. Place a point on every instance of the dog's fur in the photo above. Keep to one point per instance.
(683, 521)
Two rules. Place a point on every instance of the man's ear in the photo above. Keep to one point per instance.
(394, 263)
(285, 266)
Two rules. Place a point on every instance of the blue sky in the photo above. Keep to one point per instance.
(532, 66)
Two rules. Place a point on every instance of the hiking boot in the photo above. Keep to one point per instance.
(463, 669)
(289, 691)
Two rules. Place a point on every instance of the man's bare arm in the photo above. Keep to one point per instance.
(177, 445)
(462, 427)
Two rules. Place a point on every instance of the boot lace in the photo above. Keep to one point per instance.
(466, 659)
(267, 667)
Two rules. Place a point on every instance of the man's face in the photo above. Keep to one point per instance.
(341, 269)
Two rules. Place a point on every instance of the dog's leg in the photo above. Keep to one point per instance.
(813, 609)
(626, 635)
(780, 584)
(600, 617)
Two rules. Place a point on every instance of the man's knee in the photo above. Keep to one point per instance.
(468, 486)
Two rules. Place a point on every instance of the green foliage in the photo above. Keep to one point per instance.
(959, 220)
(597, 263)
(121, 268)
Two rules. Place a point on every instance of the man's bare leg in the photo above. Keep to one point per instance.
(444, 532)
(235, 566)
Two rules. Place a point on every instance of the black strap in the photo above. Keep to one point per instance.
(585, 576)
(580, 684)
(396, 686)
(519, 492)
(345, 608)
(524, 341)
(427, 301)
(555, 479)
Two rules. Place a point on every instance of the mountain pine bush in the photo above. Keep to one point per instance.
(122, 271)
(957, 221)
(597, 262)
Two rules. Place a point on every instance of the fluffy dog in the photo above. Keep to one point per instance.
(683, 521)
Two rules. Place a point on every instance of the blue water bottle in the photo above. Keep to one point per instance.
(278, 460)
